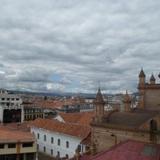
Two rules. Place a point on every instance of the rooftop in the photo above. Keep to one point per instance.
(81, 118)
(75, 130)
(10, 135)
(54, 104)
(127, 120)
(129, 150)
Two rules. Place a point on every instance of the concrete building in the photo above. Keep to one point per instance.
(11, 108)
(59, 139)
(16, 145)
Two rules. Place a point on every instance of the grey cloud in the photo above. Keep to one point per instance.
(82, 41)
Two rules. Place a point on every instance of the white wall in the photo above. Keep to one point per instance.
(1, 114)
(73, 142)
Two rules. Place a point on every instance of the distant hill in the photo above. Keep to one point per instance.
(58, 94)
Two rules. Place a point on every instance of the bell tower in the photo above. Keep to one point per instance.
(142, 78)
(99, 106)
(141, 87)
(152, 79)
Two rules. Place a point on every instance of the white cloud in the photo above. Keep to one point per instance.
(83, 41)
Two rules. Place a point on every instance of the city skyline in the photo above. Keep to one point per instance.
(75, 46)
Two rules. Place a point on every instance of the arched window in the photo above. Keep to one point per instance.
(153, 125)
(58, 154)
(67, 156)
(51, 151)
(67, 144)
(44, 149)
(153, 129)
(59, 142)
(38, 136)
(79, 148)
(52, 140)
(45, 138)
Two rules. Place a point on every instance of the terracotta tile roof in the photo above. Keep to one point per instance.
(10, 135)
(127, 119)
(82, 118)
(53, 104)
(17, 126)
(128, 150)
(65, 128)
(48, 104)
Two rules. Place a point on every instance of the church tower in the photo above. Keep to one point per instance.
(127, 102)
(99, 106)
(142, 78)
(141, 87)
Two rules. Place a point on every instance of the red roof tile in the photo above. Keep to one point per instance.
(53, 104)
(82, 118)
(128, 150)
(65, 128)
(10, 135)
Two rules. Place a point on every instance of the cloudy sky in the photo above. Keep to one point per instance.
(73, 45)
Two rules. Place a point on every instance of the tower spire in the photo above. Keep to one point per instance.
(99, 106)
(142, 76)
(152, 79)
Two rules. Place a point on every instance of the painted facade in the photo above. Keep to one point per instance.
(56, 144)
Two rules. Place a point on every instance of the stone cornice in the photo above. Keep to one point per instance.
(149, 86)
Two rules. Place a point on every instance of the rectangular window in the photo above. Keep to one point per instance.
(11, 145)
(29, 144)
(1, 146)
(37, 146)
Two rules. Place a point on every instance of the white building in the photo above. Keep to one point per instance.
(11, 108)
(59, 139)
